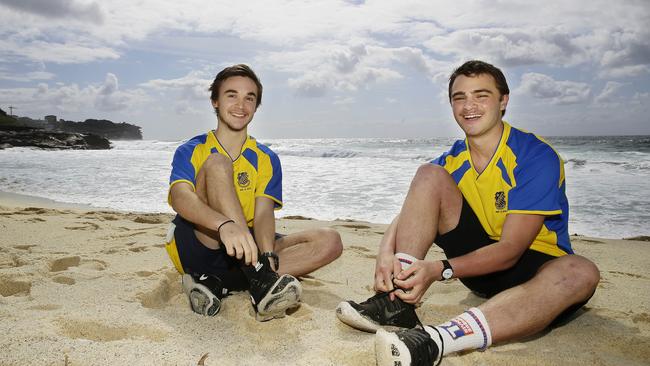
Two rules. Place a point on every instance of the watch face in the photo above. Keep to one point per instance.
(447, 273)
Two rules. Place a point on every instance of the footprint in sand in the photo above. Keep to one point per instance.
(364, 252)
(10, 287)
(150, 219)
(62, 264)
(100, 332)
(11, 260)
(86, 225)
(64, 280)
(158, 296)
(138, 249)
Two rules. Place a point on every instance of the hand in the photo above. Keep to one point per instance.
(385, 269)
(417, 280)
(239, 242)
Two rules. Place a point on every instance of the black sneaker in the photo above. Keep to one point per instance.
(205, 293)
(378, 312)
(272, 294)
(410, 347)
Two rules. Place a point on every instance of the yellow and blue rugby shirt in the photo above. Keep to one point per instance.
(256, 172)
(524, 176)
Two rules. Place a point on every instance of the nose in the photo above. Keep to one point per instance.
(469, 103)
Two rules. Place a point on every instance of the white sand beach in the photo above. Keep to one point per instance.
(88, 287)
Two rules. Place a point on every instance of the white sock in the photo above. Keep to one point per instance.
(469, 330)
(406, 260)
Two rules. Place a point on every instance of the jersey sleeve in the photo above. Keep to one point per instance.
(538, 180)
(269, 183)
(182, 168)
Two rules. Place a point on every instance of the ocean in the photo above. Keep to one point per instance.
(352, 178)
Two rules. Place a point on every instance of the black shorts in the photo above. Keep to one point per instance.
(197, 259)
(469, 236)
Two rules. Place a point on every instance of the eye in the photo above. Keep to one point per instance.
(482, 96)
(250, 99)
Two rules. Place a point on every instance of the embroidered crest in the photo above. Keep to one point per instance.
(242, 180)
(500, 200)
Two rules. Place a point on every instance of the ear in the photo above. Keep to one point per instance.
(215, 103)
(504, 102)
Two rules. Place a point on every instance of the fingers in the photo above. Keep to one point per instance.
(411, 297)
(252, 249)
(240, 244)
(402, 275)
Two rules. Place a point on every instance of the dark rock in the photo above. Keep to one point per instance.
(15, 136)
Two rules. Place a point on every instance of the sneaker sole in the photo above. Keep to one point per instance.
(390, 350)
(284, 295)
(202, 300)
(350, 316)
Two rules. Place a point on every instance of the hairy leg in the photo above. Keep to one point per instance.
(530, 307)
(215, 187)
(432, 205)
(306, 251)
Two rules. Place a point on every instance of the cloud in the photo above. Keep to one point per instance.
(67, 9)
(322, 68)
(511, 47)
(26, 77)
(609, 92)
(71, 98)
(194, 85)
(557, 92)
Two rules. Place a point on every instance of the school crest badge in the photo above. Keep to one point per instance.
(500, 200)
(242, 180)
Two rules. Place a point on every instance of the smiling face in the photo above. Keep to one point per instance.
(236, 102)
(477, 105)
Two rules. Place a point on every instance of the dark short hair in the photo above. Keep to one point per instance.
(475, 68)
(235, 70)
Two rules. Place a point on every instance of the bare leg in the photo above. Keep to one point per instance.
(215, 187)
(432, 205)
(529, 308)
(308, 250)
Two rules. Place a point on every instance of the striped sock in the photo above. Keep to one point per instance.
(406, 260)
(469, 330)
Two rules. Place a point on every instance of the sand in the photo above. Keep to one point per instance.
(86, 287)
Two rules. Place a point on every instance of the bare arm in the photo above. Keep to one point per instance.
(234, 236)
(519, 231)
(387, 264)
(188, 204)
(264, 224)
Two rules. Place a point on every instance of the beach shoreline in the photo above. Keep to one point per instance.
(82, 285)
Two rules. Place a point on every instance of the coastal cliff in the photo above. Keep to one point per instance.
(52, 134)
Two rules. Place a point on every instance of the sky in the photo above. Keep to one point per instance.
(330, 68)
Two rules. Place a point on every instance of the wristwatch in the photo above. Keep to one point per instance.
(447, 271)
(274, 256)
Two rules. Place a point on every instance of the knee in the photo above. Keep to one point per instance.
(430, 175)
(583, 275)
(218, 164)
(330, 244)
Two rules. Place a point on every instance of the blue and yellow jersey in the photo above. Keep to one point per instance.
(524, 176)
(256, 172)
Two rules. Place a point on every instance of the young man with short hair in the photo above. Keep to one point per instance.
(225, 186)
(496, 204)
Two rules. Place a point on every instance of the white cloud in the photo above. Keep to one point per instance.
(69, 9)
(194, 85)
(69, 98)
(609, 92)
(26, 77)
(556, 92)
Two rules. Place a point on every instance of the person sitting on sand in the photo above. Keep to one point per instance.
(496, 204)
(224, 187)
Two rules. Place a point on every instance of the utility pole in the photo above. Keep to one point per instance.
(11, 110)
